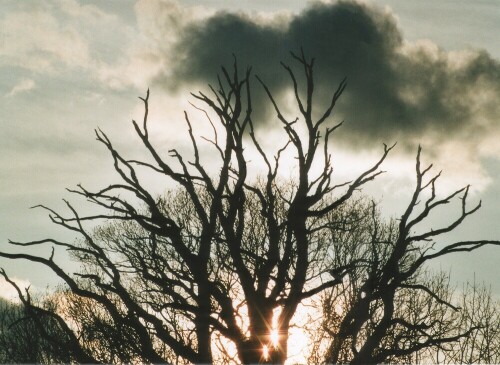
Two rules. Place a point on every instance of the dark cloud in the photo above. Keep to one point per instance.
(396, 90)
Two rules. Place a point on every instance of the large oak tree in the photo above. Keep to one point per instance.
(223, 254)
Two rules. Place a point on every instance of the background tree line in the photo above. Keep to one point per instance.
(210, 270)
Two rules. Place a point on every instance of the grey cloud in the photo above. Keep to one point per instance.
(396, 90)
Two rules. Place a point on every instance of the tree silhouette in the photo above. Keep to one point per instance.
(27, 338)
(222, 254)
(396, 256)
(398, 312)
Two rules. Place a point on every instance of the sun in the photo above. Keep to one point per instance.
(265, 352)
(273, 344)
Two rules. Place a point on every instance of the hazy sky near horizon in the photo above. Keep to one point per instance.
(425, 72)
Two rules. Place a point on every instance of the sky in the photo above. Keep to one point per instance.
(425, 72)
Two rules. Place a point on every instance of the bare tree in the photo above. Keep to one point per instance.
(223, 257)
(480, 311)
(199, 268)
(388, 309)
(24, 339)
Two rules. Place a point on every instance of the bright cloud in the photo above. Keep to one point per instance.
(22, 86)
(37, 41)
(56, 36)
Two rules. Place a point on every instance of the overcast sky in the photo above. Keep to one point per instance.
(425, 72)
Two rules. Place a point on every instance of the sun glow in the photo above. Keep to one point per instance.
(265, 352)
(271, 345)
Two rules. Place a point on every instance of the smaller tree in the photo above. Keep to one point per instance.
(479, 311)
(31, 337)
(389, 309)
